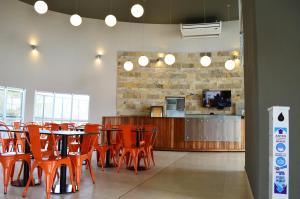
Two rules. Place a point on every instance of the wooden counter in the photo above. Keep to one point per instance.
(171, 134)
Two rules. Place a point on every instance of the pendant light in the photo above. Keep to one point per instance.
(205, 60)
(41, 7)
(143, 60)
(110, 19)
(76, 19)
(169, 59)
(137, 10)
(128, 66)
(230, 64)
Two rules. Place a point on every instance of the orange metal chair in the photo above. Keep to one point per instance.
(73, 142)
(148, 142)
(49, 166)
(85, 154)
(8, 160)
(129, 147)
(104, 147)
(6, 138)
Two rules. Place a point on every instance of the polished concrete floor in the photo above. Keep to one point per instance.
(177, 175)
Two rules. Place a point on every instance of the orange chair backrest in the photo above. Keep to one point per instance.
(35, 144)
(108, 125)
(7, 133)
(17, 125)
(54, 127)
(128, 135)
(89, 140)
(67, 126)
(148, 134)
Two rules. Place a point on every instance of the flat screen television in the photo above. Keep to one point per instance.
(217, 99)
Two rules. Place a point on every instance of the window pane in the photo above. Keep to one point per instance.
(39, 106)
(80, 107)
(1, 102)
(14, 103)
(58, 107)
(67, 104)
(48, 107)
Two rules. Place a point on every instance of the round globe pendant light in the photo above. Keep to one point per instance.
(41, 7)
(205, 61)
(143, 60)
(229, 64)
(170, 59)
(137, 10)
(75, 20)
(110, 20)
(128, 66)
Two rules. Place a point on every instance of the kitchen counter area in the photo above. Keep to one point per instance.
(192, 132)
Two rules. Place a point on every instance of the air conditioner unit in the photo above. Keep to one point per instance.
(201, 30)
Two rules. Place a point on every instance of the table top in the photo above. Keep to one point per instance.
(49, 132)
(67, 133)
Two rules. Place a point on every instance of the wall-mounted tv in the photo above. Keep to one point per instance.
(217, 99)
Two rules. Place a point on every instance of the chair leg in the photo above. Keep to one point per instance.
(6, 175)
(102, 158)
(121, 161)
(29, 180)
(20, 171)
(71, 173)
(91, 171)
(152, 156)
(49, 177)
(135, 163)
(40, 174)
(78, 172)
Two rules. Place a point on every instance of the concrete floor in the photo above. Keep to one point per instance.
(177, 175)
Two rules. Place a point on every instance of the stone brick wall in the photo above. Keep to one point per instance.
(143, 87)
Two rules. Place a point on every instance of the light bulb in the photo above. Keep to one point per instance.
(137, 10)
(75, 20)
(41, 7)
(128, 66)
(143, 60)
(229, 64)
(110, 20)
(170, 59)
(205, 61)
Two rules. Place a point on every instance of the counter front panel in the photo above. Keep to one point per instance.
(192, 133)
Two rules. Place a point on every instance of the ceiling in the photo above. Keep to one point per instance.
(156, 11)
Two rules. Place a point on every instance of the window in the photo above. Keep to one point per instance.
(12, 102)
(57, 107)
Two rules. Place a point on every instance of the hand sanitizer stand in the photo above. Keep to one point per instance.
(279, 152)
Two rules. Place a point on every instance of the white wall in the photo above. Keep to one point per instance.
(66, 61)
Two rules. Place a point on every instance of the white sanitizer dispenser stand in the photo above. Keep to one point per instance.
(279, 152)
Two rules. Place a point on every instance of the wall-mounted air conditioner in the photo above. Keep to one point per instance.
(201, 30)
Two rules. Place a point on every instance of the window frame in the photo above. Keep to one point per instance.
(6, 118)
(53, 119)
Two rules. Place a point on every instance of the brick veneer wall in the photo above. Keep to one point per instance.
(143, 87)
